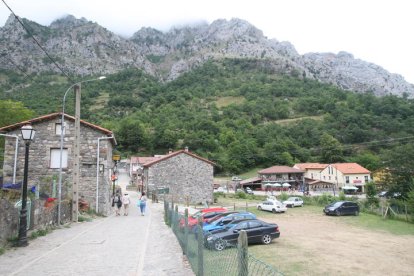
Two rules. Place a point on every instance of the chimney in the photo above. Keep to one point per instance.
(186, 149)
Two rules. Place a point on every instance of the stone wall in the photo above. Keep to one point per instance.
(42, 215)
(46, 178)
(188, 178)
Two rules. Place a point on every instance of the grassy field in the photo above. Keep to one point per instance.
(311, 242)
(366, 221)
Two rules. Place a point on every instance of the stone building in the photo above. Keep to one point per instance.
(187, 176)
(44, 159)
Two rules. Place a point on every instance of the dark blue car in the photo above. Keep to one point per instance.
(227, 221)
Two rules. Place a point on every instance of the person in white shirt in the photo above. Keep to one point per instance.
(125, 202)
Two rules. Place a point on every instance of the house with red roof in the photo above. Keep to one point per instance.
(44, 159)
(137, 164)
(282, 175)
(187, 176)
(345, 176)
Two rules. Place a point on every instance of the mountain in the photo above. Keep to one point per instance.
(82, 47)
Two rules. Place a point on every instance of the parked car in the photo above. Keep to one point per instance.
(218, 216)
(272, 206)
(388, 194)
(257, 232)
(293, 201)
(340, 208)
(227, 221)
(205, 213)
(220, 190)
(249, 191)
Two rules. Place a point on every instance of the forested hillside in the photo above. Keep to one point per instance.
(237, 112)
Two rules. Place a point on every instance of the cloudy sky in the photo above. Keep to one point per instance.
(378, 31)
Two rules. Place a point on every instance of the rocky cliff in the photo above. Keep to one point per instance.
(82, 47)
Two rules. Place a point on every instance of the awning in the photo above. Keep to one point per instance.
(286, 185)
(349, 188)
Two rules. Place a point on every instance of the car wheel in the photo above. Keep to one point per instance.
(337, 212)
(274, 211)
(259, 208)
(219, 245)
(266, 239)
(356, 213)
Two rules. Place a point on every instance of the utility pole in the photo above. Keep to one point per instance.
(76, 159)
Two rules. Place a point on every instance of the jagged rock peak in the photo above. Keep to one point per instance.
(235, 28)
(69, 21)
(148, 35)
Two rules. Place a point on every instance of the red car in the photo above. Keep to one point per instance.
(204, 213)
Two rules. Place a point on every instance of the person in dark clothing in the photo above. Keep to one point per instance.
(117, 202)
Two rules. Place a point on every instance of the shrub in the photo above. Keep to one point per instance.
(241, 194)
(341, 195)
(283, 196)
(325, 199)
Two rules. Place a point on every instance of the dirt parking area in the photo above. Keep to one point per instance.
(314, 244)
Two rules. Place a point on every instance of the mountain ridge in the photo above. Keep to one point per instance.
(83, 47)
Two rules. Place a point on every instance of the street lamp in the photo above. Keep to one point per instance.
(62, 134)
(28, 134)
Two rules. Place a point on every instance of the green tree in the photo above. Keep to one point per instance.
(371, 191)
(331, 149)
(13, 112)
(132, 135)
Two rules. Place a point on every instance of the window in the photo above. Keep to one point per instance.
(312, 175)
(55, 158)
(241, 226)
(254, 224)
(58, 130)
(366, 178)
(347, 179)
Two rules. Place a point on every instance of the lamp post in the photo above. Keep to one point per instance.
(116, 159)
(62, 134)
(28, 134)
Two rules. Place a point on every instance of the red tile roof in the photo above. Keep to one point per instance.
(280, 169)
(52, 116)
(315, 166)
(177, 153)
(350, 168)
(145, 160)
(250, 180)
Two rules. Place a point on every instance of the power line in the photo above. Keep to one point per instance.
(37, 42)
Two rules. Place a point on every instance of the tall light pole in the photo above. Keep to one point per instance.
(62, 134)
(97, 171)
(28, 134)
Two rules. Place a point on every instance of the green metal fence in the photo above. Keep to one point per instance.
(234, 260)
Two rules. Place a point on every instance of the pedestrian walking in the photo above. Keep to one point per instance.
(143, 203)
(125, 202)
(117, 202)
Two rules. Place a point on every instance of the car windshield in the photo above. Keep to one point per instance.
(291, 199)
(337, 204)
(196, 215)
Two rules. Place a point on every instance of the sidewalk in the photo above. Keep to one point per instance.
(124, 245)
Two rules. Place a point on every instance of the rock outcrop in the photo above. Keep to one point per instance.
(82, 47)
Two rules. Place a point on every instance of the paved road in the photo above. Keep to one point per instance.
(124, 245)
